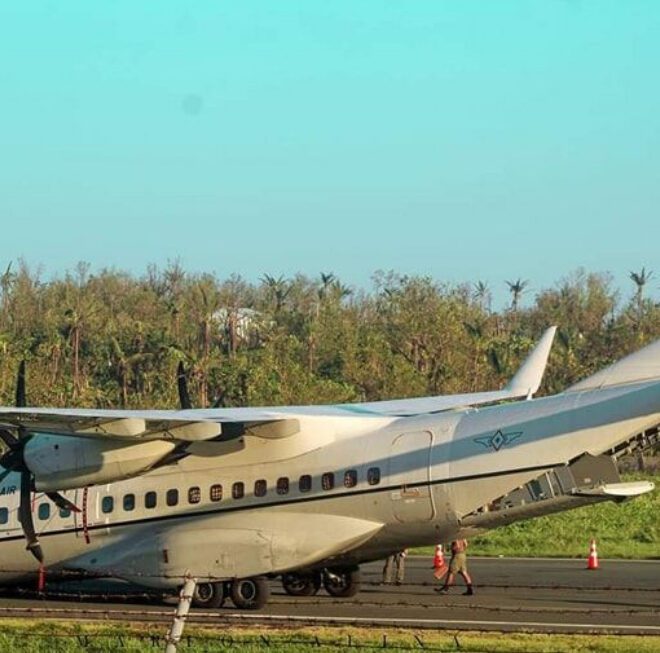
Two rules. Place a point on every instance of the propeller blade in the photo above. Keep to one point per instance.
(182, 384)
(8, 438)
(25, 514)
(219, 401)
(21, 400)
(62, 502)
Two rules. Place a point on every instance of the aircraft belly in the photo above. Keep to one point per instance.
(236, 545)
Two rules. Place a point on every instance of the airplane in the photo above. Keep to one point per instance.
(232, 496)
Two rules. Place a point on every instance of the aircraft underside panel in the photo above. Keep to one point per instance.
(409, 476)
(224, 547)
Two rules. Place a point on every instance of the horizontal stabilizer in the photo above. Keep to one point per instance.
(643, 365)
(617, 490)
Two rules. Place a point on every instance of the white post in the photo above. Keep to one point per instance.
(185, 599)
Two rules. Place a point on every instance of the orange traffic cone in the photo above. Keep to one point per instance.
(439, 564)
(592, 560)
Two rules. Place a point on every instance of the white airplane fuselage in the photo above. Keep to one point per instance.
(396, 482)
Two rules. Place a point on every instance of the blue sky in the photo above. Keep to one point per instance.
(464, 140)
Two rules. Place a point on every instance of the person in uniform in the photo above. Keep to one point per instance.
(458, 565)
(397, 560)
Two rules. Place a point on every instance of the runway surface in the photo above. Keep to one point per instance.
(511, 595)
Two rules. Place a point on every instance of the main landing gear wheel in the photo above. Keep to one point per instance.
(208, 595)
(302, 584)
(342, 582)
(249, 593)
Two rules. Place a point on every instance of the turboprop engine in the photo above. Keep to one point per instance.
(63, 463)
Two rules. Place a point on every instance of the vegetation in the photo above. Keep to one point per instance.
(32, 636)
(110, 339)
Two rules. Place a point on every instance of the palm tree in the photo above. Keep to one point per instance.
(640, 279)
(6, 282)
(327, 279)
(517, 288)
(483, 295)
(278, 288)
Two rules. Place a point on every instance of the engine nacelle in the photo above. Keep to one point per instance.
(65, 463)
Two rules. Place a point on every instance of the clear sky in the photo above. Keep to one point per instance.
(462, 139)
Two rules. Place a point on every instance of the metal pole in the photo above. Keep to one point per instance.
(176, 631)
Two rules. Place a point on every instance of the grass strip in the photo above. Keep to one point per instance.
(32, 636)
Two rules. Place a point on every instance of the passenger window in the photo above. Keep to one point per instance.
(328, 481)
(107, 505)
(44, 510)
(216, 492)
(260, 488)
(305, 483)
(194, 495)
(238, 490)
(4, 515)
(283, 485)
(373, 475)
(150, 500)
(172, 497)
(350, 478)
(129, 502)
(65, 513)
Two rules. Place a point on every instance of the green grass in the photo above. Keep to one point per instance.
(627, 530)
(29, 636)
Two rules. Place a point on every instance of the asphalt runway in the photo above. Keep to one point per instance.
(621, 597)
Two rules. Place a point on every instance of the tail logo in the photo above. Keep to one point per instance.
(498, 440)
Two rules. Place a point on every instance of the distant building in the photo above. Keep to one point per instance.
(240, 326)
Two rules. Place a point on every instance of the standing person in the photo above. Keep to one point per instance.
(458, 565)
(397, 560)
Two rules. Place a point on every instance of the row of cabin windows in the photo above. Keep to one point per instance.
(215, 493)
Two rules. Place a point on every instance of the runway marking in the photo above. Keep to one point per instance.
(440, 622)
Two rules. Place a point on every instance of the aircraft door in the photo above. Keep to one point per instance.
(409, 476)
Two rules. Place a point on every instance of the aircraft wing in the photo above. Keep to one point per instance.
(275, 422)
(524, 384)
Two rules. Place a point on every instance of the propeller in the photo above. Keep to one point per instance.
(21, 401)
(182, 385)
(184, 395)
(13, 460)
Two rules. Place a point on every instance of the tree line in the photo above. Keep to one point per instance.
(113, 339)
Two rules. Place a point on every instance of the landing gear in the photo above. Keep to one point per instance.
(209, 595)
(249, 593)
(342, 582)
(302, 583)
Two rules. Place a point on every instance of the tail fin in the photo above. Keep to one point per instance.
(642, 365)
(527, 379)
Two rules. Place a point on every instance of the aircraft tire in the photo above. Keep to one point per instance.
(208, 595)
(301, 584)
(250, 593)
(342, 582)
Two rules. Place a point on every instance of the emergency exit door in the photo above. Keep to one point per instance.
(410, 475)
